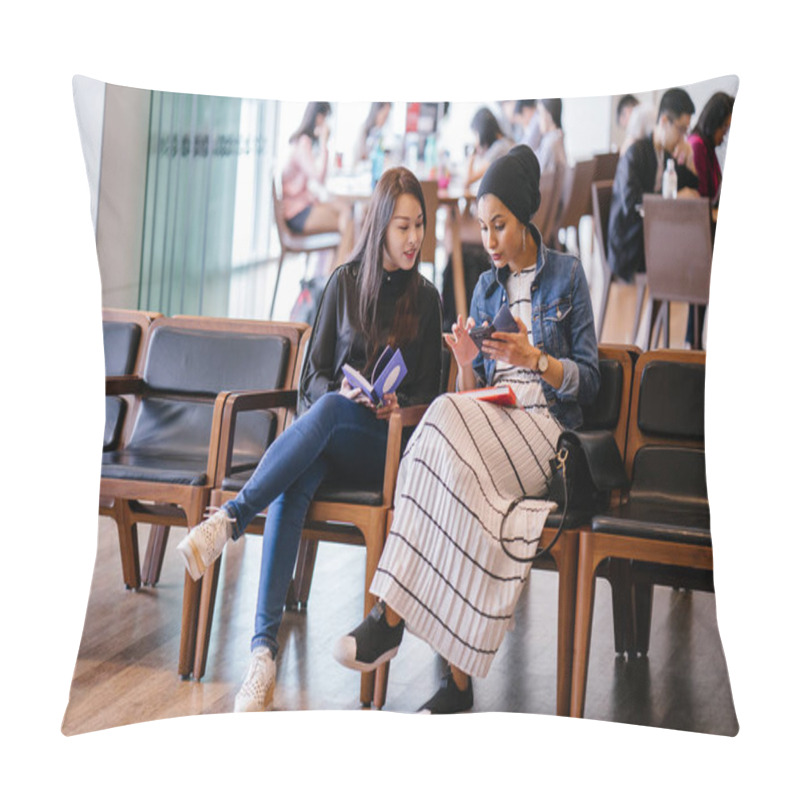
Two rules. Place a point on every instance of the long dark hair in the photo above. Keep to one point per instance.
(553, 106)
(374, 110)
(309, 121)
(718, 108)
(369, 252)
(486, 127)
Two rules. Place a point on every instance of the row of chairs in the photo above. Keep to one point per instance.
(203, 408)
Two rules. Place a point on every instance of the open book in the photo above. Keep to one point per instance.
(500, 395)
(390, 370)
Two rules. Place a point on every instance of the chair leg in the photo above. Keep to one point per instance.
(381, 684)
(604, 305)
(641, 285)
(584, 608)
(619, 576)
(304, 570)
(275, 291)
(191, 600)
(154, 554)
(205, 615)
(565, 555)
(643, 615)
(128, 544)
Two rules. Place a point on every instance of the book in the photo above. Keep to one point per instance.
(500, 395)
(503, 321)
(390, 369)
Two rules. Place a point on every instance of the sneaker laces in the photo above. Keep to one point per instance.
(257, 680)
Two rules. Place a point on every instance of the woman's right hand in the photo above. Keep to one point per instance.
(460, 343)
(355, 394)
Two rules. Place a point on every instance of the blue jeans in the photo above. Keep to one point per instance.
(336, 436)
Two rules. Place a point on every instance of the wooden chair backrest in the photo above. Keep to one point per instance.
(677, 248)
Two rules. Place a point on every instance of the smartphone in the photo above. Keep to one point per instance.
(481, 332)
(503, 321)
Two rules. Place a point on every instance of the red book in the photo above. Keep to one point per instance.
(500, 395)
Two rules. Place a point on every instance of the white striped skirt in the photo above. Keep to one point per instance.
(443, 568)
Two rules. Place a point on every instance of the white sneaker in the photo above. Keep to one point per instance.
(259, 683)
(204, 543)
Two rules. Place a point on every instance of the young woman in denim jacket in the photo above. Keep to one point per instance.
(443, 572)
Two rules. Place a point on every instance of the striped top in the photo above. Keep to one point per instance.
(525, 382)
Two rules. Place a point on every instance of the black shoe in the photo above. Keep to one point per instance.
(449, 699)
(372, 643)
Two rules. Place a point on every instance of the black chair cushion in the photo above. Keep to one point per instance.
(163, 468)
(603, 414)
(120, 345)
(670, 522)
(170, 442)
(672, 400)
(668, 499)
(208, 362)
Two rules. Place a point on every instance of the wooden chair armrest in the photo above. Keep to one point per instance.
(227, 406)
(123, 384)
(401, 418)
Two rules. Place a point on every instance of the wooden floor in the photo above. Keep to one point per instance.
(126, 667)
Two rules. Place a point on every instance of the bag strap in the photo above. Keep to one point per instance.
(561, 457)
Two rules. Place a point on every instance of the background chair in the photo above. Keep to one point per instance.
(427, 253)
(165, 466)
(677, 254)
(577, 197)
(550, 188)
(123, 348)
(601, 206)
(665, 517)
(605, 168)
(292, 242)
(124, 336)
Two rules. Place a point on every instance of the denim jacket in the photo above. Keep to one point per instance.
(562, 324)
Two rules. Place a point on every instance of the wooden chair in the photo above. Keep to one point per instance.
(605, 168)
(601, 205)
(124, 335)
(664, 518)
(608, 412)
(427, 253)
(291, 242)
(677, 255)
(550, 188)
(163, 471)
(577, 197)
(123, 348)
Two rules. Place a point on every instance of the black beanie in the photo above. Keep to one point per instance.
(514, 180)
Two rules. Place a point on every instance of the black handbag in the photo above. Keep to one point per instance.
(586, 469)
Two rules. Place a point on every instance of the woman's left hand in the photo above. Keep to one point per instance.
(389, 404)
(513, 348)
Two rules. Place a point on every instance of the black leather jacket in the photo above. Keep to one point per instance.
(335, 340)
